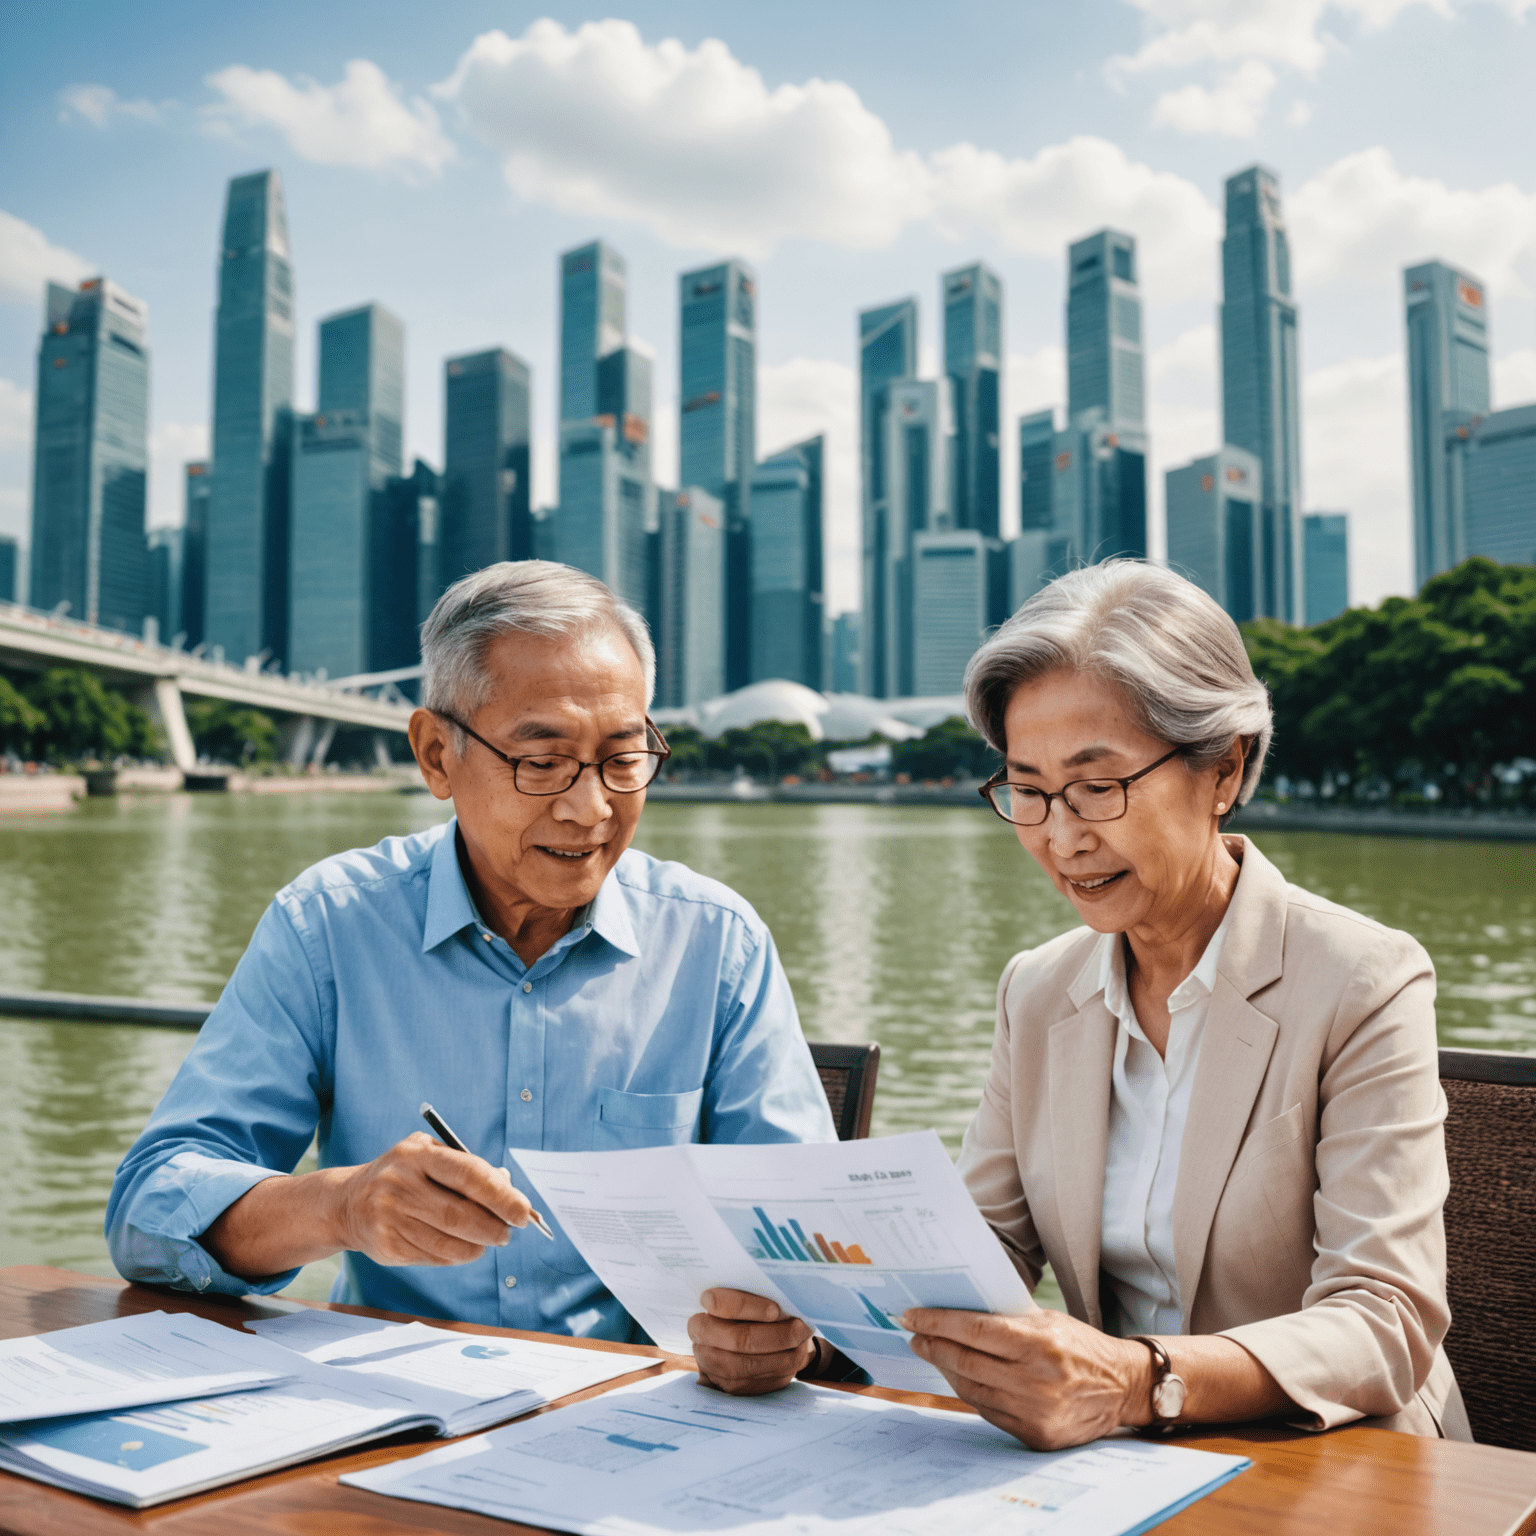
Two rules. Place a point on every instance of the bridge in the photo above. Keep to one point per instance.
(157, 677)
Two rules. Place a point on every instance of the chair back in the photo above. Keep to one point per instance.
(1490, 1236)
(847, 1074)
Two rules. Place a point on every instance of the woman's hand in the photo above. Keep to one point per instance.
(745, 1346)
(1046, 1378)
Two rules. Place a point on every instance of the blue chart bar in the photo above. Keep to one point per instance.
(876, 1316)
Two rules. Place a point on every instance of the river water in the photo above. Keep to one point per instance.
(894, 924)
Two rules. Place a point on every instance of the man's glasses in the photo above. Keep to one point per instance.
(548, 773)
(1088, 799)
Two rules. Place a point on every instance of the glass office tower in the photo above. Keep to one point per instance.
(345, 456)
(717, 427)
(594, 284)
(887, 352)
(1037, 451)
(846, 631)
(165, 547)
(1325, 543)
(1213, 506)
(691, 632)
(404, 579)
(1260, 380)
(91, 457)
(787, 597)
(1494, 461)
(951, 591)
(194, 552)
(604, 519)
(8, 569)
(973, 355)
(1447, 318)
(487, 507)
(1104, 348)
(247, 551)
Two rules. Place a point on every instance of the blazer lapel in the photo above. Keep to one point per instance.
(1082, 1054)
(1234, 1056)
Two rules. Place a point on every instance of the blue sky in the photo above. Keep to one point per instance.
(438, 159)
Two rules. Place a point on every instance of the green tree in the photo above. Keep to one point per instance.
(19, 719)
(950, 749)
(82, 719)
(687, 747)
(770, 749)
(232, 733)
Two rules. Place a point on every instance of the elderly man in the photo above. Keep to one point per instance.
(522, 968)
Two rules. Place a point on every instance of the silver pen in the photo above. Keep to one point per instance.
(444, 1133)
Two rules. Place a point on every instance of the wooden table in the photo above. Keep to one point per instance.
(1349, 1482)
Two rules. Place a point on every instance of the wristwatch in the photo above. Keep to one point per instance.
(1167, 1386)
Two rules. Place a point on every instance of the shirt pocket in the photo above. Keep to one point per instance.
(629, 1120)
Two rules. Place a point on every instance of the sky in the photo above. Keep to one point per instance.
(438, 159)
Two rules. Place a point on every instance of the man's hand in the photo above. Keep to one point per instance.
(423, 1203)
(745, 1346)
(1045, 1378)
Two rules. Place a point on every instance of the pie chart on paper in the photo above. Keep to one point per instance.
(484, 1351)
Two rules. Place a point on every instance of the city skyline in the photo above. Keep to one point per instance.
(371, 232)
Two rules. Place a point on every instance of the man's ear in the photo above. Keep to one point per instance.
(434, 750)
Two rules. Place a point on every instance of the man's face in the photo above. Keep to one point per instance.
(581, 697)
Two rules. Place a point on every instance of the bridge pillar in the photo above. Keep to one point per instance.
(297, 735)
(161, 701)
(381, 757)
(323, 745)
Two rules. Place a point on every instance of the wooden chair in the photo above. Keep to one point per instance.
(1490, 1234)
(847, 1075)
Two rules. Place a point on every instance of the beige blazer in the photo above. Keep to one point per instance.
(1307, 1216)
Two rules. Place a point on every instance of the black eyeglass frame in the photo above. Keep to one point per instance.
(1000, 778)
(581, 767)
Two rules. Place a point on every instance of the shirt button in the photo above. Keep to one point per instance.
(486, 937)
(511, 1281)
(526, 1096)
(527, 986)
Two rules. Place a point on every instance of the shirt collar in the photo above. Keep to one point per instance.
(451, 909)
(1199, 983)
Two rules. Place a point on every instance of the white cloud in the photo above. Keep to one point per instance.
(15, 417)
(363, 120)
(1232, 108)
(1362, 218)
(1298, 114)
(171, 445)
(1514, 378)
(1355, 459)
(100, 104)
(28, 260)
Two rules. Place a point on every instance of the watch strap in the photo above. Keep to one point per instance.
(1162, 1369)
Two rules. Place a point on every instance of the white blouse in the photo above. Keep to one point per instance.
(1148, 1109)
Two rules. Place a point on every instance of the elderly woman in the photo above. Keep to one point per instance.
(1214, 1109)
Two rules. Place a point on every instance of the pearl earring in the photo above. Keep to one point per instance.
(1221, 805)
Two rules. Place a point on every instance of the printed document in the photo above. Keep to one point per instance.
(670, 1456)
(846, 1236)
(125, 1361)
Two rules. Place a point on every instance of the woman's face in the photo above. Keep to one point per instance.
(1152, 866)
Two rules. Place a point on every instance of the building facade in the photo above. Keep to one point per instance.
(1494, 462)
(247, 548)
(717, 426)
(9, 569)
(973, 359)
(1104, 348)
(843, 638)
(1448, 385)
(197, 492)
(405, 576)
(91, 457)
(604, 521)
(1037, 453)
(691, 632)
(788, 600)
(165, 552)
(1325, 543)
(887, 353)
(594, 286)
(953, 579)
(1213, 516)
(1260, 377)
(486, 509)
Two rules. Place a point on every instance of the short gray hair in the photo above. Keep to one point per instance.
(530, 597)
(1175, 656)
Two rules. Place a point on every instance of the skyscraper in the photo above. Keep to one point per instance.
(1104, 349)
(887, 352)
(1213, 509)
(487, 482)
(593, 288)
(1037, 451)
(1325, 543)
(951, 599)
(604, 520)
(973, 350)
(1260, 397)
(344, 457)
(843, 662)
(194, 553)
(1494, 460)
(1447, 318)
(91, 457)
(787, 595)
(691, 634)
(247, 550)
(8, 568)
(404, 580)
(717, 428)
(165, 586)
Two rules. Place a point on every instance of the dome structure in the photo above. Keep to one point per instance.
(835, 717)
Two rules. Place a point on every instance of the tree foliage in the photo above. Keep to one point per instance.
(67, 715)
(1436, 690)
(19, 718)
(950, 749)
(232, 733)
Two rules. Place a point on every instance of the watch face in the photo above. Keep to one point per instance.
(1168, 1397)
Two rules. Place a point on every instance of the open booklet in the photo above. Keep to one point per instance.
(846, 1236)
(669, 1456)
(383, 1380)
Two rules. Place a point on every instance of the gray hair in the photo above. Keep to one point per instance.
(530, 597)
(1172, 652)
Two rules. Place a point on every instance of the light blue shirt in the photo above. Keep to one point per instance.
(371, 983)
